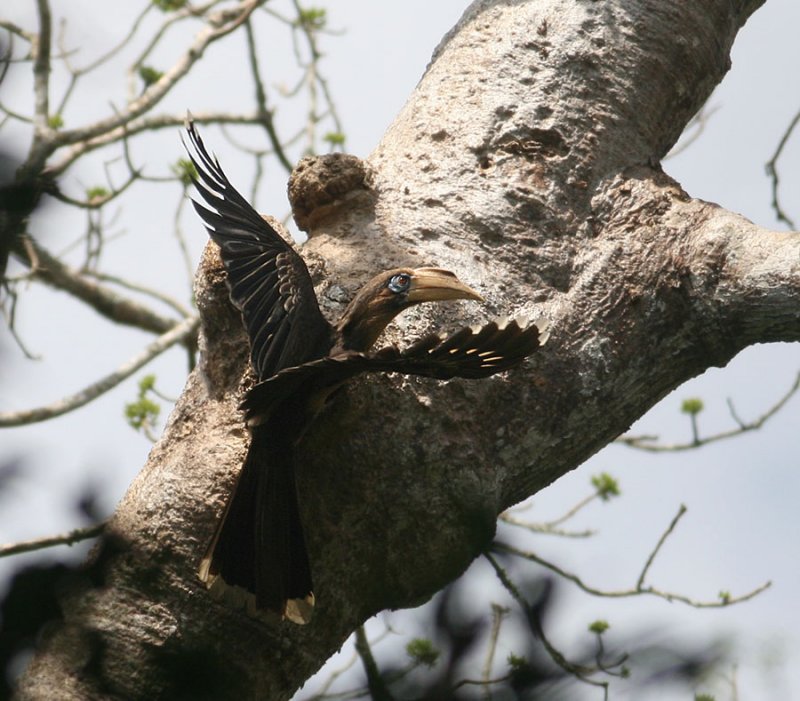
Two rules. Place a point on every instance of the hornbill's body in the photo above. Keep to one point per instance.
(258, 554)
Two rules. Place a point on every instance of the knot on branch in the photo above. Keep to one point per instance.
(321, 185)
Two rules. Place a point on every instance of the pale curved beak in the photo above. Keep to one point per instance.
(434, 285)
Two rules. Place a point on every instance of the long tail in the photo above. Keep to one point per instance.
(258, 558)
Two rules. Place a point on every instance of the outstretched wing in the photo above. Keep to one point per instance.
(268, 280)
(472, 353)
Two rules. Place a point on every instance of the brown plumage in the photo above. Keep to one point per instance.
(258, 555)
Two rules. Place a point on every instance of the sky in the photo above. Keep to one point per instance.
(740, 494)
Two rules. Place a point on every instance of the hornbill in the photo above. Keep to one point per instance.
(257, 558)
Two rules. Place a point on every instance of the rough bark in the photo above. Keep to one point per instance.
(526, 161)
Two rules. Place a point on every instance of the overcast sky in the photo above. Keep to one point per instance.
(742, 527)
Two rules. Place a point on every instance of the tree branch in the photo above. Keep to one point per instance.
(47, 268)
(147, 123)
(649, 444)
(220, 24)
(41, 74)
(772, 171)
(757, 283)
(375, 683)
(16, 30)
(178, 334)
(261, 101)
(74, 536)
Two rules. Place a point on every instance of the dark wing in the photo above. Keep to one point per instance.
(268, 281)
(472, 353)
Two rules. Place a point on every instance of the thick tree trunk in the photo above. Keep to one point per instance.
(527, 162)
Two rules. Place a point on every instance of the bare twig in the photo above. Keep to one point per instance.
(16, 115)
(49, 269)
(219, 25)
(188, 11)
(649, 444)
(698, 123)
(9, 310)
(639, 589)
(114, 50)
(99, 200)
(654, 553)
(486, 683)
(498, 614)
(312, 79)
(177, 229)
(261, 101)
(605, 487)
(573, 511)
(772, 171)
(146, 124)
(375, 682)
(544, 528)
(332, 678)
(581, 672)
(360, 692)
(74, 536)
(187, 328)
(136, 287)
(16, 30)
(41, 74)
(5, 59)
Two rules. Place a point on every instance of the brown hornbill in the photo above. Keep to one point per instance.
(257, 558)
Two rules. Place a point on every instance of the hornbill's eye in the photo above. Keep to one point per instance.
(399, 283)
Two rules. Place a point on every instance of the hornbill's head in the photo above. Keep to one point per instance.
(388, 294)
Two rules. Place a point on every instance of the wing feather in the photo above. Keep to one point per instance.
(268, 280)
(470, 353)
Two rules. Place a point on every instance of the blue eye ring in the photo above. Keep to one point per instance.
(399, 283)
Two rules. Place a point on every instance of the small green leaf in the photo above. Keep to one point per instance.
(169, 5)
(334, 138)
(149, 75)
(97, 193)
(606, 486)
(521, 672)
(55, 121)
(692, 406)
(724, 597)
(516, 662)
(704, 697)
(422, 652)
(185, 171)
(144, 411)
(146, 384)
(141, 412)
(312, 18)
(599, 627)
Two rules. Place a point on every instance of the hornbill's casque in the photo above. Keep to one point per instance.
(257, 558)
